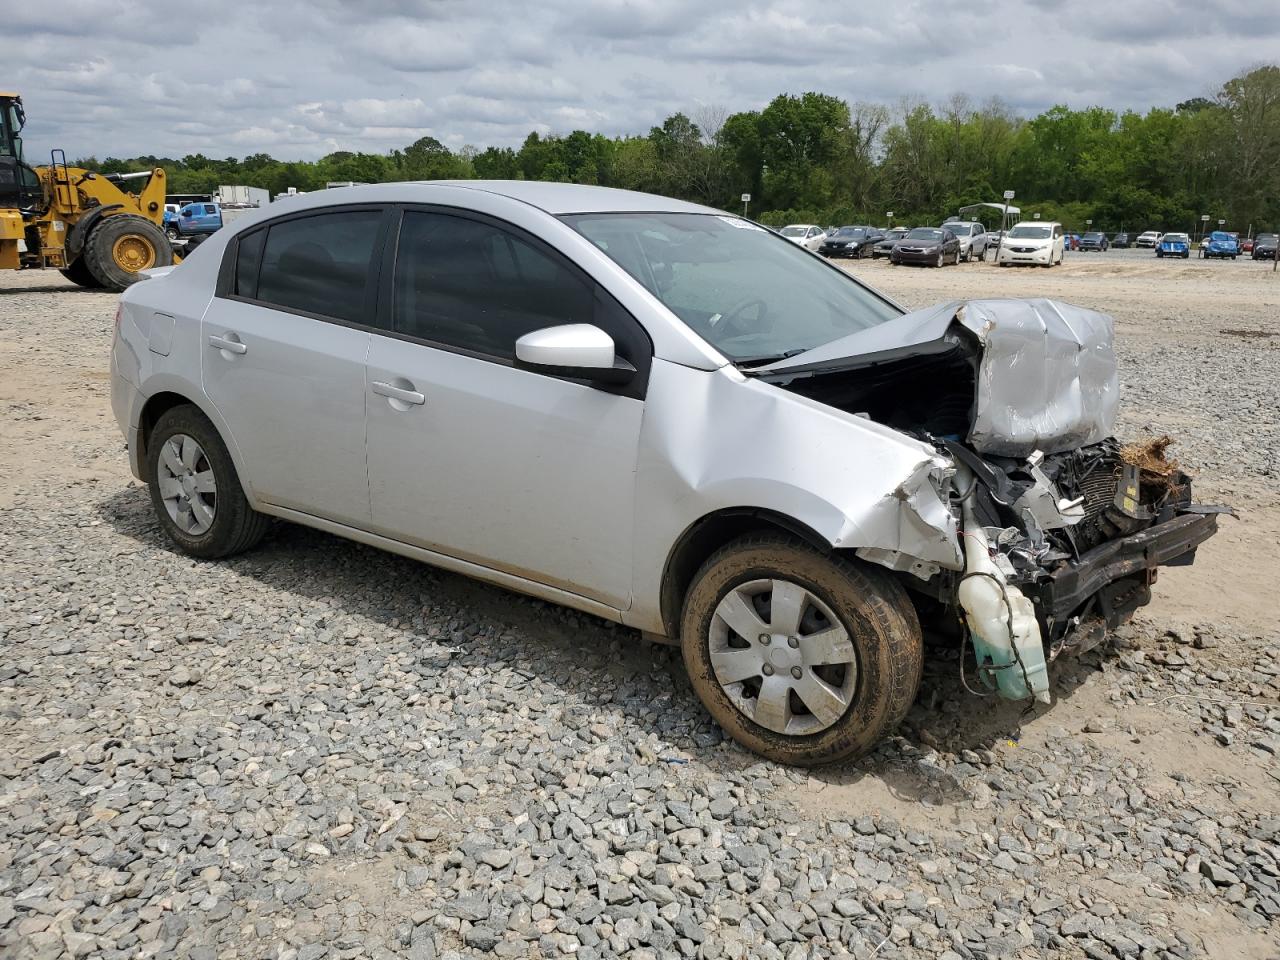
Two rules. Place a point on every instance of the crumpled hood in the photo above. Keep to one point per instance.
(1046, 376)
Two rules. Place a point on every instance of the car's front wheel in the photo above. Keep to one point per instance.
(195, 491)
(801, 657)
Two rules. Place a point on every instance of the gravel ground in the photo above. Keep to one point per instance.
(320, 750)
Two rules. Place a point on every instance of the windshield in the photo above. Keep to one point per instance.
(794, 231)
(1219, 235)
(751, 297)
(1093, 236)
(1265, 238)
(1029, 233)
(1174, 237)
(924, 233)
(855, 233)
(960, 229)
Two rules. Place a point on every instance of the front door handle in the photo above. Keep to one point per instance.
(403, 394)
(228, 344)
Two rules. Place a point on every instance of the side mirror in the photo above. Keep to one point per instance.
(577, 350)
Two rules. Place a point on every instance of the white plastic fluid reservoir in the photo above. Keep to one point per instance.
(999, 629)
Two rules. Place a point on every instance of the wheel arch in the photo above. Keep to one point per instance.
(165, 399)
(708, 534)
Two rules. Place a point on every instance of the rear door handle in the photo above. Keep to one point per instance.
(230, 343)
(403, 394)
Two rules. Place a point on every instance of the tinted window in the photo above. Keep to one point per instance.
(320, 264)
(208, 208)
(473, 285)
(248, 255)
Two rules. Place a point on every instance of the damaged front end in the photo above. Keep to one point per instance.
(1061, 528)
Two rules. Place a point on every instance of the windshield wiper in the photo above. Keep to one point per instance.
(768, 358)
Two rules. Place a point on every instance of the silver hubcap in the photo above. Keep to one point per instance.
(185, 477)
(782, 657)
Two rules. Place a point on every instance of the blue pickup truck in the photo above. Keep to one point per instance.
(195, 220)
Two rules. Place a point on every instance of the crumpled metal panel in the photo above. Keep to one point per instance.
(1047, 378)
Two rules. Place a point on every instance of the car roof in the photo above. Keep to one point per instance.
(556, 199)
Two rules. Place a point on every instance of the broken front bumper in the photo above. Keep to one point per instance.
(1117, 575)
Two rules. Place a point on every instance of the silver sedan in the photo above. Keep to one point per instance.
(655, 412)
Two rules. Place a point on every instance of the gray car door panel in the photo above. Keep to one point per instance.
(291, 390)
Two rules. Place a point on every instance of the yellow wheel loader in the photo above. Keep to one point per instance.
(85, 224)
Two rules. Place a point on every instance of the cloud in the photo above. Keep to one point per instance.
(301, 78)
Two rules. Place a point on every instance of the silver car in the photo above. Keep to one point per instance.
(661, 414)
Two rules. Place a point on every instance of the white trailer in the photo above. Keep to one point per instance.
(241, 196)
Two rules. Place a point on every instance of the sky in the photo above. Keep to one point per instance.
(298, 79)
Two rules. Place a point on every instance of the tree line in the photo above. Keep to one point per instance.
(817, 158)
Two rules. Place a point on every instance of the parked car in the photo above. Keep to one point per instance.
(854, 242)
(1120, 241)
(972, 236)
(1264, 246)
(1246, 245)
(1174, 245)
(612, 401)
(808, 235)
(1039, 244)
(1221, 245)
(197, 219)
(1094, 241)
(885, 246)
(1148, 239)
(171, 211)
(930, 246)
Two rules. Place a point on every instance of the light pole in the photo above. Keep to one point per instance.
(1004, 223)
(1204, 220)
(889, 217)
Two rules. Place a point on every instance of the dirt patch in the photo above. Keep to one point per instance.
(1157, 472)
(1251, 334)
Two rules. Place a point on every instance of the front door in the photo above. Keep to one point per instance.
(284, 365)
(522, 472)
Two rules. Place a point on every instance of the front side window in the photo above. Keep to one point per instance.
(470, 284)
(739, 287)
(320, 264)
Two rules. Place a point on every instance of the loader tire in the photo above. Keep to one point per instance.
(79, 274)
(123, 245)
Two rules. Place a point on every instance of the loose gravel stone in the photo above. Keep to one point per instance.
(320, 750)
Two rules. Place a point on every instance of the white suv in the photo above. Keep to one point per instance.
(973, 238)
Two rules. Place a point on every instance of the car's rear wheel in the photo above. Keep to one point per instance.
(802, 658)
(195, 491)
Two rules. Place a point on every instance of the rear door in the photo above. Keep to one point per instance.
(284, 344)
(521, 472)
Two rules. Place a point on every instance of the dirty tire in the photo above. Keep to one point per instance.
(78, 273)
(236, 526)
(874, 610)
(121, 245)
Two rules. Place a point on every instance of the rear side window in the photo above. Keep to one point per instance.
(320, 264)
(469, 284)
(208, 209)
